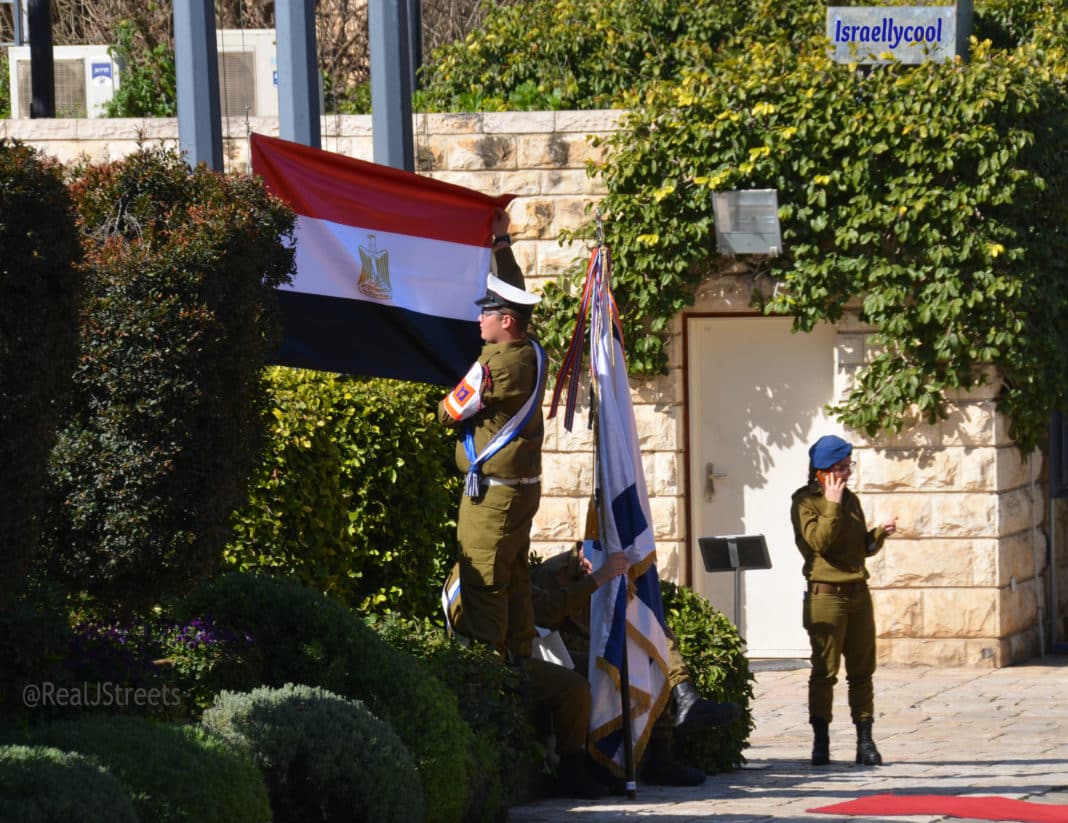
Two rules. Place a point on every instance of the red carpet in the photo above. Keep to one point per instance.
(979, 808)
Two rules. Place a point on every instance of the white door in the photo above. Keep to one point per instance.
(756, 397)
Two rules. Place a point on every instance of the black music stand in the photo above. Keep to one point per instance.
(735, 553)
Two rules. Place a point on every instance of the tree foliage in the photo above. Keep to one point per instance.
(40, 292)
(571, 54)
(148, 86)
(167, 416)
(932, 194)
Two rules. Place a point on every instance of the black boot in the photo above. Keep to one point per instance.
(660, 768)
(821, 742)
(574, 779)
(867, 754)
(693, 713)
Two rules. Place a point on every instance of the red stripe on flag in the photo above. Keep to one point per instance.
(354, 192)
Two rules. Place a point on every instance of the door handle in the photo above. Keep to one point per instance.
(710, 480)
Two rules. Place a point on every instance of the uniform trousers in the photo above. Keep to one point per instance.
(493, 534)
(841, 625)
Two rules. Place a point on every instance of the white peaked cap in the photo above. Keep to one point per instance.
(500, 293)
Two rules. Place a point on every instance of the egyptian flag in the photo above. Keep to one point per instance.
(389, 265)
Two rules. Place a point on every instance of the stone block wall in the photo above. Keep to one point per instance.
(966, 578)
(960, 586)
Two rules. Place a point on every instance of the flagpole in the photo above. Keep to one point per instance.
(624, 672)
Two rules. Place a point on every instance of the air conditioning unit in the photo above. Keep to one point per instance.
(248, 72)
(86, 77)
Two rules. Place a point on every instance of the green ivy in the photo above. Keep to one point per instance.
(932, 194)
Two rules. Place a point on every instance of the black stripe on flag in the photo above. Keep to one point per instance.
(370, 339)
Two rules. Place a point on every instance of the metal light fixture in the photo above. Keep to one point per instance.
(747, 222)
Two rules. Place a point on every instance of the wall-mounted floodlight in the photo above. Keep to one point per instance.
(747, 222)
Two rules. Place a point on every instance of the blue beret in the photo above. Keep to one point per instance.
(828, 450)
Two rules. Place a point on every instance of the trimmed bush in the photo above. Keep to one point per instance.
(325, 758)
(39, 784)
(169, 410)
(40, 291)
(714, 652)
(303, 636)
(173, 773)
(332, 503)
(507, 760)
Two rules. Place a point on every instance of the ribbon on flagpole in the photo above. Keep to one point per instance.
(568, 376)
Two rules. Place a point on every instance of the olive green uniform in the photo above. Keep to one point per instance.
(562, 602)
(493, 529)
(562, 692)
(837, 613)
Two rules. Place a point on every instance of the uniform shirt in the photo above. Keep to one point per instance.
(513, 375)
(832, 537)
(561, 596)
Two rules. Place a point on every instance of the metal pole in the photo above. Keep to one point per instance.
(391, 92)
(415, 42)
(298, 74)
(42, 67)
(628, 734)
(964, 27)
(196, 68)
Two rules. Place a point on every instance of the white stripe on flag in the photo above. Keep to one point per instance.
(424, 275)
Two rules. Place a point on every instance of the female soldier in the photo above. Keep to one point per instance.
(830, 531)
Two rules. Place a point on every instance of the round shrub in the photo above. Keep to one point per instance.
(325, 758)
(173, 773)
(507, 760)
(715, 654)
(39, 784)
(302, 636)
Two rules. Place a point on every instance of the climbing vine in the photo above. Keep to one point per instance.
(933, 197)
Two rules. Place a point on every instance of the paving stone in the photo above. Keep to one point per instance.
(959, 731)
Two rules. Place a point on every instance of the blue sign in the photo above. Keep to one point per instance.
(101, 72)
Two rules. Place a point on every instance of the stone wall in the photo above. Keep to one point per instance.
(965, 581)
(960, 586)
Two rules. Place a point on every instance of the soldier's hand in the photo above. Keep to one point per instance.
(614, 565)
(500, 223)
(834, 487)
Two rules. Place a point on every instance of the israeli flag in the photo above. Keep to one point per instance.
(628, 612)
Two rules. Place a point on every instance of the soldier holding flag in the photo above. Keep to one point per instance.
(496, 410)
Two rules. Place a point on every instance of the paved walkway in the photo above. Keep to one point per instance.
(941, 731)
